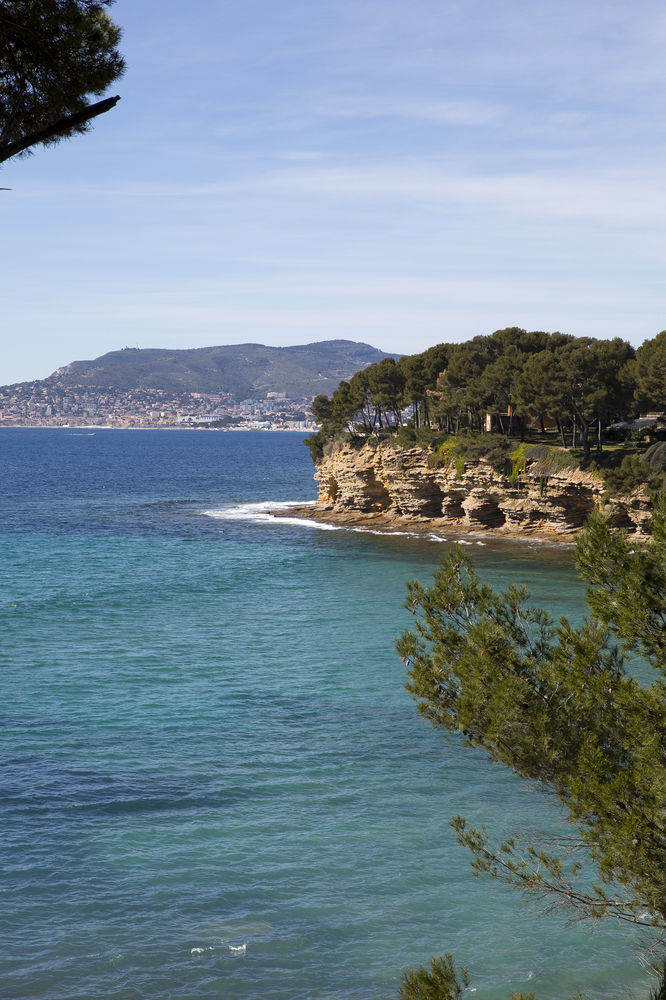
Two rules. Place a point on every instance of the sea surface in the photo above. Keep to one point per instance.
(213, 783)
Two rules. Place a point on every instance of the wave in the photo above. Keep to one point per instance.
(235, 949)
(263, 513)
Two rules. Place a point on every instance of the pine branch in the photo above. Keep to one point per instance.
(58, 128)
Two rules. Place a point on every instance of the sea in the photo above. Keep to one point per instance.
(214, 785)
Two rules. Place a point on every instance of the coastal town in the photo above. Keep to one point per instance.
(35, 404)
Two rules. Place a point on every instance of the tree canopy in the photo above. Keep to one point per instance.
(54, 56)
(651, 373)
(509, 377)
(562, 706)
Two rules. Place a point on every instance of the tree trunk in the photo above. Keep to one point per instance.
(560, 427)
(579, 418)
(599, 446)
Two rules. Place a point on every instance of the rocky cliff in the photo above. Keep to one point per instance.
(382, 483)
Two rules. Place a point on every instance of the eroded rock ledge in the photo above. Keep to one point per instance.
(383, 484)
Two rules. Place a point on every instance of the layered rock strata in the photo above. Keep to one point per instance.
(386, 484)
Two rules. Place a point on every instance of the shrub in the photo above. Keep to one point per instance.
(421, 437)
(633, 471)
(439, 982)
(315, 445)
(467, 447)
(660, 992)
(655, 456)
(518, 464)
(544, 459)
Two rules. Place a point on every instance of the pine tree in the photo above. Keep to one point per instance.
(559, 705)
(54, 55)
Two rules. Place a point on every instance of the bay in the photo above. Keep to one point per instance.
(213, 781)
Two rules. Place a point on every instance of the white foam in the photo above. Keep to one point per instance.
(238, 949)
(262, 513)
(378, 531)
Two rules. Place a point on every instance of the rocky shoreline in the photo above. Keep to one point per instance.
(433, 528)
(380, 486)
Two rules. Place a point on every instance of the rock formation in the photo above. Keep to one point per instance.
(384, 483)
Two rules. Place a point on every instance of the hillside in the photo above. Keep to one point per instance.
(243, 370)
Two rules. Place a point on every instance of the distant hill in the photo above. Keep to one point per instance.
(244, 370)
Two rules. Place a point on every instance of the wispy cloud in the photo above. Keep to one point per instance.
(635, 196)
(442, 112)
(361, 167)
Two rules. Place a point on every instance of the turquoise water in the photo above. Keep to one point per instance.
(213, 782)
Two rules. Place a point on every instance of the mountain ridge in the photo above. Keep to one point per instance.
(243, 370)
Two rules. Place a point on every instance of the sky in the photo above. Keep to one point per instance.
(288, 171)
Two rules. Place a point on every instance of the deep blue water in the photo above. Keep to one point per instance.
(206, 742)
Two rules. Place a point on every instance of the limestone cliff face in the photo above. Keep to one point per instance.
(381, 480)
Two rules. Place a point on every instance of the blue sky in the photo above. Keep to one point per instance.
(284, 171)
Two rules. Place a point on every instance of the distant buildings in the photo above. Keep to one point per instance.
(40, 404)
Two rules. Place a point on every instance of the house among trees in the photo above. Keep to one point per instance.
(504, 382)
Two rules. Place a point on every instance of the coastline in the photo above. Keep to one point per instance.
(440, 529)
(145, 427)
(385, 487)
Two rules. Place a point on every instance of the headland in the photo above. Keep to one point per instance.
(384, 486)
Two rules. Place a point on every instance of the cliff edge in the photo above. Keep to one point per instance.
(383, 483)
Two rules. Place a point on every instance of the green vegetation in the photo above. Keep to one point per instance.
(633, 471)
(456, 449)
(650, 373)
(409, 436)
(442, 982)
(244, 370)
(559, 706)
(660, 992)
(439, 982)
(53, 56)
(553, 392)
